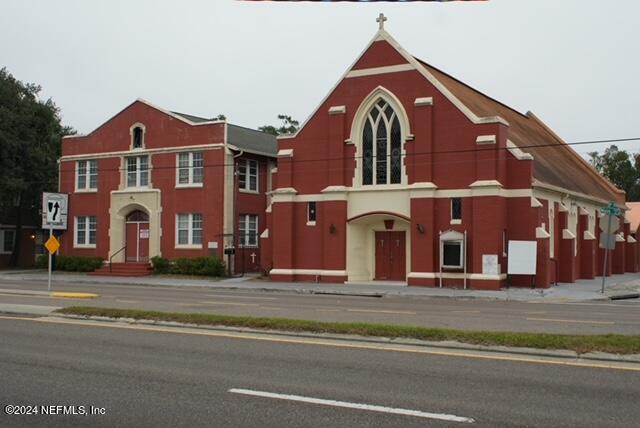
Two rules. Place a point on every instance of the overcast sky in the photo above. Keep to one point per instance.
(575, 63)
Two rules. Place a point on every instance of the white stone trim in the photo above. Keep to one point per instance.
(317, 272)
(264, 234)
(456, 275)
(517, 152)
(417, 190)
(486, 139)
(337, 110)
(535, 203)
(588, 236)
(142, 152)
(486, 183)
(567, 234)
(582, 211)
(538, 185)
(631, 239)
(373, 71)
(620, 237)
(424, 101)
(541, 233)
(285, 153)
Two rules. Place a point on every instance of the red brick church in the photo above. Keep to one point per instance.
(404, 173)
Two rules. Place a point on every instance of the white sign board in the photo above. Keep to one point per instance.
(521, 259)
(490, 264)
(55, 208)
(144, 233)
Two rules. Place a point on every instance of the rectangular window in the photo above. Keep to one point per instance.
(85, 231)
(189, 229)
(190, 168)
(248, 230)
(248, 175)
(87, 175)
(8, 238)
(456, 209)
(138, 171)
(311, 212)
(452, 254)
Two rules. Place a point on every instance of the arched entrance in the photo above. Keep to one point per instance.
(137, 237)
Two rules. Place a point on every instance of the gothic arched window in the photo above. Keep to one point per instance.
(381, 146)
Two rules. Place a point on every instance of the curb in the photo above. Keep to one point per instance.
(450, 345)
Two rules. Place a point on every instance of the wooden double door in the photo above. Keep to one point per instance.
(391, 256)
(137, 237)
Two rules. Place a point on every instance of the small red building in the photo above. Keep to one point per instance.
(404, 173)
(151, 182)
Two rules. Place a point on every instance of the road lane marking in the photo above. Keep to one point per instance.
(264, 337)
(465, 312)
(218, 303)
(348, 405)
(572, 321)
(328, 310)
(372, 311)
(127, 301)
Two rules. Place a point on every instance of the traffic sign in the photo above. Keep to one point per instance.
(604, 223)
(55, 207)
(608, 241)
(52, 244)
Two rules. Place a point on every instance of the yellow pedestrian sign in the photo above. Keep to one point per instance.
(52, 244)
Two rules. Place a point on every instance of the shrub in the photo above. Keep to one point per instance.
(42, 261)
(206, 266)
(78, 264)
(160, 265)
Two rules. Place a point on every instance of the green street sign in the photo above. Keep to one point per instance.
(611, 209)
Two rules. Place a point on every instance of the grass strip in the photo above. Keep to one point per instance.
(610, 343)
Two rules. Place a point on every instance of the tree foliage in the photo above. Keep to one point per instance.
(30, 141)
(621, 168)
(288, 126)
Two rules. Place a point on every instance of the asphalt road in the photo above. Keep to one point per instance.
(621, 317)
(143, 378)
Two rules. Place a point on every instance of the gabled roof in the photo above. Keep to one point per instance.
(554, 162)
(252, 141)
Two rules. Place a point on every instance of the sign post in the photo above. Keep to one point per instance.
(607, 240)
(54, 216)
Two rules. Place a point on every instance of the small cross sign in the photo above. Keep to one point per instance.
(381, 20)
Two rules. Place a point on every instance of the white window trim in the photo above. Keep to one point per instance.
(312, 222)
(190, 245)
(242, 241)
(88, 177)
(190, 184)
(455, 220)
(247, 176)
(2, 232)
(144, 136)
(461, 246)
(138, 172)
(86, 236)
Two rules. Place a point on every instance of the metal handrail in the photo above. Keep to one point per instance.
(115, 254)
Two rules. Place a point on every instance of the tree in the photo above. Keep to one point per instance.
(219, 117)
(30, 140)
(289, 126)
(621, 168)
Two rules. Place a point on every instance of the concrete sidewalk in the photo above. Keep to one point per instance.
(583, 290)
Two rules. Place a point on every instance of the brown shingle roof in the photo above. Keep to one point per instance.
(555, 162)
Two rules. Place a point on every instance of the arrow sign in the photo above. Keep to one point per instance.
(54, 210)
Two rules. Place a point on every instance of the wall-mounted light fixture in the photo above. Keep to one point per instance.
(420, 227)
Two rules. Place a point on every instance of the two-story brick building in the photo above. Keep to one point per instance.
(151, 182)
(404, 173)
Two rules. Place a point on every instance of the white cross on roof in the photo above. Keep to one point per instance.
(380, 20)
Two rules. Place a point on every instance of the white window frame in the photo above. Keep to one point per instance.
(138, 172)
(309, 221)
(246, 164)
(190, 223)
(455, 220)
(460, 245)
(3, 250)
(88, 174)
(190, 169)
(132, 134)
(87, 232)
(243, 238)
